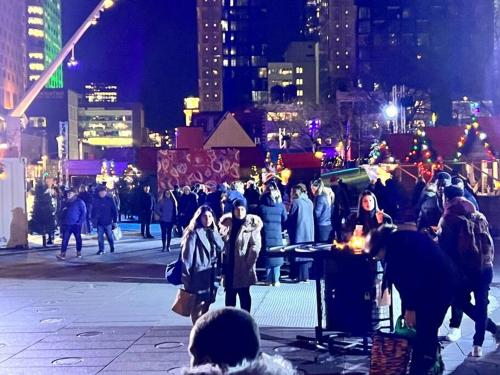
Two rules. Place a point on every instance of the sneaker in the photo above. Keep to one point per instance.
(100, 252)
(476, 352)
(79, 254)
(167, 249)
(149, 236)
(112, 250)
(61, 256)
(277, 283)
(454, 334)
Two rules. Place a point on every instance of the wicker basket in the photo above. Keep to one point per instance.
(390, 355)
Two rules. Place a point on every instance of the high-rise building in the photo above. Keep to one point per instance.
(12, 52)
(305, 58)
(342, 43)
(101, 93)
(210, 72)
(244, 25)
(44, 39)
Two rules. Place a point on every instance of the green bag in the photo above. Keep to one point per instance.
(401, 329)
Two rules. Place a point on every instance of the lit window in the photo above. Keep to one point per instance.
(346, 12)
(300, 92)
(35, 21)
(36, 33)
(337, 39)
(347, 66)
(34, 77)
(36, 55)
(337, 26)
(299, 70)
(225, 62)
(337, 53)
(36, 66)
(299, 81)
(347, 53)
(346, 26)
(35, 10)
(338, 67)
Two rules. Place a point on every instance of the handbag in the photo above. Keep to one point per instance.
(117, 233)
(184, 303)
(391, 352)
(173, 272)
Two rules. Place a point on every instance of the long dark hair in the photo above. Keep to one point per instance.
(361, 210)
(172, 196)
(196, 222)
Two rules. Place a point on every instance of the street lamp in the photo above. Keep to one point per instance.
(391, 111)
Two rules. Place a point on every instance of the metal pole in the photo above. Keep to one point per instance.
(33, 92)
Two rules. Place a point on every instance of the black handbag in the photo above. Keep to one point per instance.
(173, 272)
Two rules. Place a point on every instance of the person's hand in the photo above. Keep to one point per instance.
(380, 216)
(411, 318)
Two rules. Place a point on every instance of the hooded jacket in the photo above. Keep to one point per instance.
(247, 248)
(265, 365)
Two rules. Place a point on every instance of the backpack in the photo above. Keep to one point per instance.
(475, 244)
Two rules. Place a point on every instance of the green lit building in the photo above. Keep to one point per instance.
(44, 39)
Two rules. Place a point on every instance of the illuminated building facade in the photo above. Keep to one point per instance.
(191, 106)
(12, 52)
(101, 93)
(115, 125)
(244, 25)
(44, 39)
(210, 72)
(305, 57)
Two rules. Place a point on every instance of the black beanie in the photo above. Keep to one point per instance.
(453, 191)
(239, 203)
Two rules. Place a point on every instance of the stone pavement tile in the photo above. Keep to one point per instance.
(120, 372)
(167, 333)
(60, 353)
(20, 339)
(142, 366)
(180, 357)
(472, 366)
(47, 362)
(79, 344)
(152, 340)
(61, 370)
(104, 337)
(11, 349)
(75, 330)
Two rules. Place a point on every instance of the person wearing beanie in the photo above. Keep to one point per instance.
(468, 192)
(432, 207)
(457, 232)
(241, 234)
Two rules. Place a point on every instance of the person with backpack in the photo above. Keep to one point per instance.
(464, 235)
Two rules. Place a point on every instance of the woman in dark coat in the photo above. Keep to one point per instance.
(273, 214)
(323, 203)
(199, 246)
(166, 209)
(369, 216)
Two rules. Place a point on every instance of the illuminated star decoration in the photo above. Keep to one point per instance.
(472, 132)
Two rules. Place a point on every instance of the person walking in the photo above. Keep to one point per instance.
(241, 234)
(426, 281)
(341, 209)
(463, 234)
(432, 206)
(300, 226)
(104, 217)
(86, 197)
(166, 209)
(200, 244)
(273, 214)
(369, 216)
(188, 204)
(73, 215)
(146, 208)
(323, 202)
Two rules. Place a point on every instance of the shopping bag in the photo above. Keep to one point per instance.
(173, 272)
(184, 303)
(391, 352)
(117, 233)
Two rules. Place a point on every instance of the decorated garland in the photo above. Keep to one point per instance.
(379, 153)
(472, 132)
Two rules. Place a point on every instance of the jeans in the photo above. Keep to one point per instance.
(67, 231)
(323, 233)
(245, 298)
(479, 286)
(273, 274)
(108, 230)
(166, 232)
(145, 223)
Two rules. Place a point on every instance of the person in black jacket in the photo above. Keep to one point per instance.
(72, 217)
(432, 205)
(426, 281)
(369, 216)
(146, 208)
(104, 216)
(273, 214)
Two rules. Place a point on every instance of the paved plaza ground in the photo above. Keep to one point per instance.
(111, 314)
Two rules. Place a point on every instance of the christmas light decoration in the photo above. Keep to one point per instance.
(473, 132)
(379, 153)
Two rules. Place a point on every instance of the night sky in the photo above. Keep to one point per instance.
(148, 48)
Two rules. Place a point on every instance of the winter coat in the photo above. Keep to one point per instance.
(368, 220)
(188, 204)
(146, 204)
(252, 196)
(166, 209)
(232, 195)
(198, 254)
(214, 201)
(423, 274)
(274, 216)
(264, 365)
(300, 224)
(322, 210)
(73, 212)
(430, 212)
(104, 211)
(247, 248)
(450, 229)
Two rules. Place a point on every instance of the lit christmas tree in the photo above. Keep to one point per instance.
(423, 155)
(379, 153)
(472, 133)
(279, 164)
